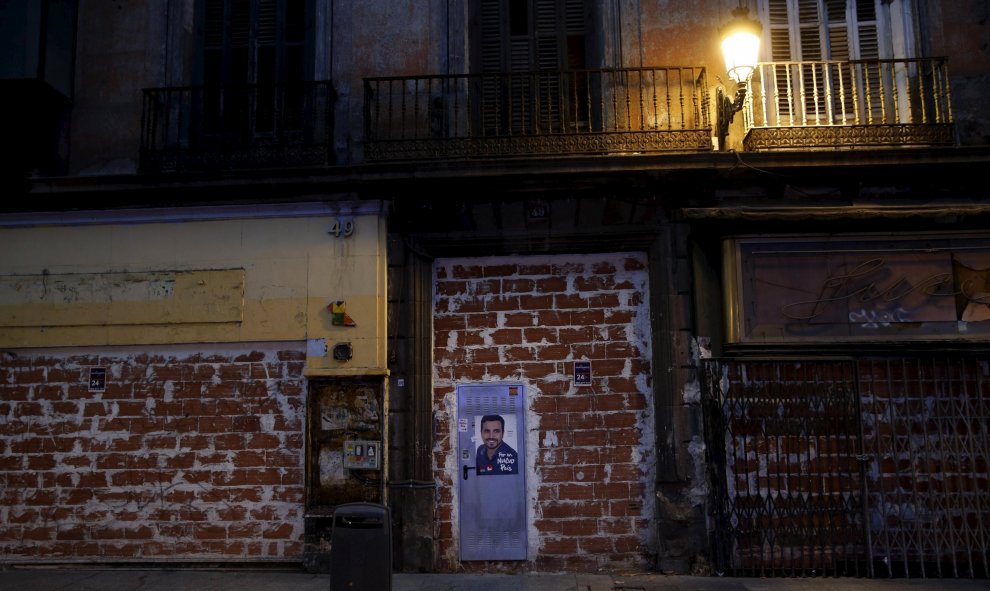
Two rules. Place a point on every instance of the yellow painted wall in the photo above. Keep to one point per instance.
(196, 278)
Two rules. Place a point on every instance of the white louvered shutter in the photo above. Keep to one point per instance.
(813, 35)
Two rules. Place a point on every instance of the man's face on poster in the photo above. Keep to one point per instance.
(491, 433)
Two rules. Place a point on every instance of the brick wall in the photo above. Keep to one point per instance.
(590, 449)
(188, 454)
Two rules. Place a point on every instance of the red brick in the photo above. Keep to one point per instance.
(28, 409)
(518, 354)
(500, 270)
(552, 352)
(487, 320)
(575, 421)
(451, 288)
(518, 285)
(593, 283)
(48, 392)
(529, 302)
(619, 317)
(265, 441)
(567, 268)
(278, 531)
(570, 492)
(604, 300)
(216, 424)
(576, 335)
(503, 371)
(595, 544)
(580, 527)
(71, 532)
(579, 457)
(501, 304)
(569, 301)
(485, 287)
(590, 438)
(551, 284)
(249, 459)
(538, 370)
(77, 496)
(466, 271)
(483, 355)
(38, 533)
(574, 403)
(573, 509)
(559, 545)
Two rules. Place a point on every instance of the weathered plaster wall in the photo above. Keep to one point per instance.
(190, 453)
(590, 460)
(197, 275)
(965, 39)
(119, 51)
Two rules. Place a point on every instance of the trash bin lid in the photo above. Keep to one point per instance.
(360, 515)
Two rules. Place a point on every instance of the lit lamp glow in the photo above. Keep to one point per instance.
(741, 50)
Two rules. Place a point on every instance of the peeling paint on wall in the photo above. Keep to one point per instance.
(189, 453)
(590, 450)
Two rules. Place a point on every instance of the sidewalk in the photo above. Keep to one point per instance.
(177, 579)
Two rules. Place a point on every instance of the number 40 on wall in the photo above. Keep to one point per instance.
(341, 227)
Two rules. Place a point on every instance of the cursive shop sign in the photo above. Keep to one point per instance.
(864, 288)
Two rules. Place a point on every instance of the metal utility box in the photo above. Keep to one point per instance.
(361, 548)
(346, 455)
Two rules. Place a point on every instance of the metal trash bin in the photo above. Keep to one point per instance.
(361, 548)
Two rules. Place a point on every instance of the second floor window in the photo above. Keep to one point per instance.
(530, 53)
(814, 30)
(253, 61)
(811, 44)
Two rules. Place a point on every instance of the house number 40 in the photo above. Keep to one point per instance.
(341, 227)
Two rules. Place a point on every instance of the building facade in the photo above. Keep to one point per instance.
(540, 277)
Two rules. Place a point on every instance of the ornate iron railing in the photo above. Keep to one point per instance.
(876, 466)
(652, 109)
(236, 127)
(849, 104)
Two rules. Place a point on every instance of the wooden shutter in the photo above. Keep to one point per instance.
(781, 51)
(525, 46)
(492, 32)
(250, 48)
(813, 33)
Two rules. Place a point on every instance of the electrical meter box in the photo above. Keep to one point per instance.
(360, 454)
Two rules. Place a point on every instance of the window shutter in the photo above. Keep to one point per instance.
(492, 31)
(250, 48)
(867, 47)
(809, 30)
(867, 30)
(780, 32)
(525, 46)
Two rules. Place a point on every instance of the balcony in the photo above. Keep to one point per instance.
(210, 128)
(848, 105)
(541, 113)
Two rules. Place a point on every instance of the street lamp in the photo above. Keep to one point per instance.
(741, 49)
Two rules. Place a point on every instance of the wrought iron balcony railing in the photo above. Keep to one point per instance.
(849, 104)
(237, 127)
(629, 110)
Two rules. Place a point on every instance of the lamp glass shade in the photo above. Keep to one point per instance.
(741, 47)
